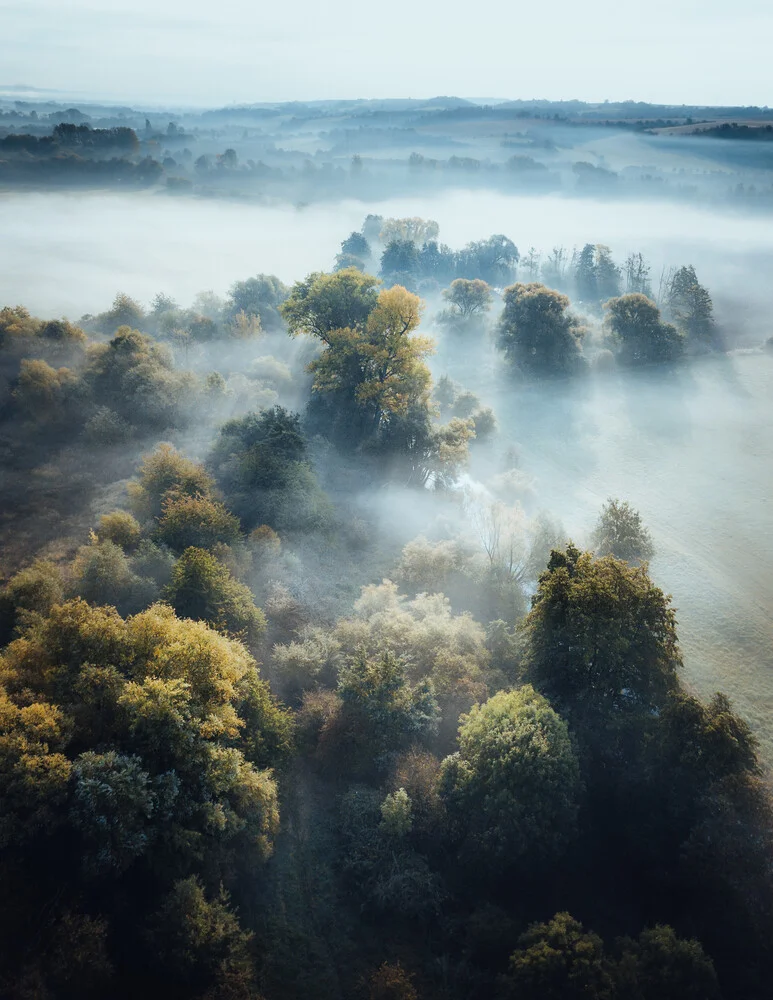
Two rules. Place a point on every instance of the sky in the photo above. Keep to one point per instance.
(243, 51)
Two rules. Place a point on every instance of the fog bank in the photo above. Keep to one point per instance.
(70, 253)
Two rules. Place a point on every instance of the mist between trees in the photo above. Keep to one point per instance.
(303, 692)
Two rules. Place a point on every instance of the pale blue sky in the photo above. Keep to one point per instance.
(188, 51)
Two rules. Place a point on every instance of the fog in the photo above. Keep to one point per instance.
(321, 593)
(693, 451)
(70, 253)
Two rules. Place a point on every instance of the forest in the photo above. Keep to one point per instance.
(302, 691)
(319, 151)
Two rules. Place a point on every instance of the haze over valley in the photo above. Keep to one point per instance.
(386, 604)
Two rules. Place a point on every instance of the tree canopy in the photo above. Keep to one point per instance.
(538, 333)
(514, 785)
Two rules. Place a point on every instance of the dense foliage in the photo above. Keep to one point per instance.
(486, 776)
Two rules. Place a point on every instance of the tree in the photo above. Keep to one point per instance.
(371, 227)
(596, 275)
(377, 372)
(102, 574)
(122, 776)
(413, 230)
(356, 245)
(492, 260)
(344, 261)
(195, 521)
(585, 274)
(690, 305)
(554, 268)
(661, 966)
(381, 712)
(637, 275)
(121, 528)
(135, 377)
(262, 465)
(113, 801)
(437, 262)
(469, 297)
(202, 588)
(164, 471)
(537, 332)
(228, 160)
(400, 263)
(43, 392)
(601, 638)
(513, 787)
(32, 591)
(125, 311)
(200, 942)
(391, 982)
(607, 273)
(633, 324)
(261, 296)
(559, 961)
(620, 533)
(324, 303)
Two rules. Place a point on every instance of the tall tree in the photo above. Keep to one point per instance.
(635, 327)
(601, 637)
(690, 305)
(376, 370)
(538, 333)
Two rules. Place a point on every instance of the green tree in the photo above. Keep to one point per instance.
(607, 273)
(121, 528)
(633, 324)
(469, 297)
(661, 966)
(513, 787)
(400, 263)
(135, 377)
(601, 637)
(33, 590)
(195, 522)
(261, 296)
(690, 305)
(357, 245)
(382, 713)
(493, 260)
(619, 532)
(123, 771)
(262, 465)
(163, 472)
(585, 275)
(202, 588)
(344, 261)
(324, 303)
(378, 371)
(437, 262)
(537, 332)
(200, 942)
(112, 804)
(125, 311)
(559, 961)
(103, 574)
